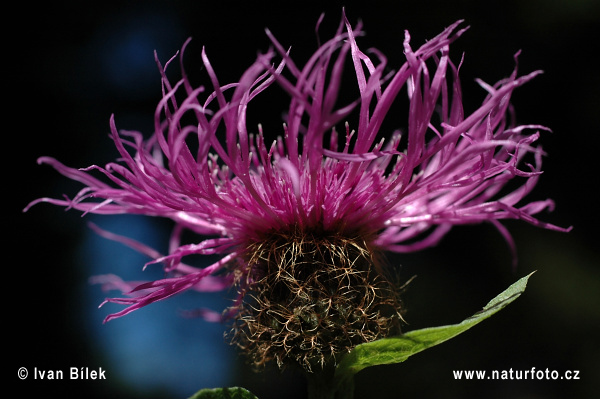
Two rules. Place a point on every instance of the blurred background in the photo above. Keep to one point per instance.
(68, 66)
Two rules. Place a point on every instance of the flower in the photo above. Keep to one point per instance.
(301, 223)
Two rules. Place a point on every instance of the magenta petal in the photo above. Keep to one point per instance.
(204, 170)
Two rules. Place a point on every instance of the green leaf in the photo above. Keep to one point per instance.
(223, 393)
(398, 349)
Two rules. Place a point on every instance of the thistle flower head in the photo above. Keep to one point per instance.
(301, 222)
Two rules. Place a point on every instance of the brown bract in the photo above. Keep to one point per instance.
(311, 296)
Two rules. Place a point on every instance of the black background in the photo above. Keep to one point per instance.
(59, 99)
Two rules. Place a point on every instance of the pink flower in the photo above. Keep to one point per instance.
(400, 192)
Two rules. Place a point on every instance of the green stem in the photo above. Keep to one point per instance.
(323, 385)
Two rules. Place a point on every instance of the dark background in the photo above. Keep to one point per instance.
(68, 66)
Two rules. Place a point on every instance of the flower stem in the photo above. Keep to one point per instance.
(323, 385)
